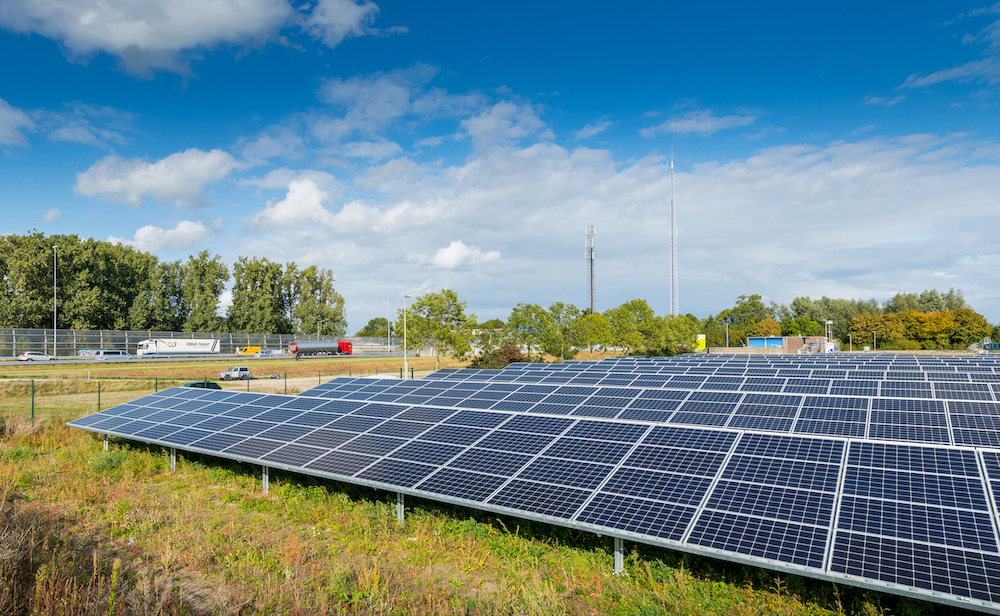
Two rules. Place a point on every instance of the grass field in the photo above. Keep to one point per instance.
(84, 531)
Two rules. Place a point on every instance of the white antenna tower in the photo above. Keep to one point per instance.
(674, 310)
(589, 255)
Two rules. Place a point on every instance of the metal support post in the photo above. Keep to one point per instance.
(399, 508)
(265, 478)
(619, 556)
(32, 403)
(286, 383)
(156, 385)
(173, 459)
(105, 442)
(411, 374)
(98, 396)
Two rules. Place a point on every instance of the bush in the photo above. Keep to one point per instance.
(501, 358)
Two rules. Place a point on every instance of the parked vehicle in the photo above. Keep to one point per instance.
(248, 350)
(35, 356)
(241, 373)
(203, 385)
(178, 346)
(112, 355)
(320, 347)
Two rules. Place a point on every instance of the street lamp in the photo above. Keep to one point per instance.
(388, 315)
(874, 342)
(55, 304)
(406, 365)
(727, 335)
(851, 338)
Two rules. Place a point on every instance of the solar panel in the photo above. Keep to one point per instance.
(871, 470)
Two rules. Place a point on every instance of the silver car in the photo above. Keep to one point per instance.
(35, 356)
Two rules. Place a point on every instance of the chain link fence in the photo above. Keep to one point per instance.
(71, 342)
(31, 402)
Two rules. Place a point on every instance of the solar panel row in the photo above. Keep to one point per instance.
(727, 473)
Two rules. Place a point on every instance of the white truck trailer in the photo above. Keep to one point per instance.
(177, 346)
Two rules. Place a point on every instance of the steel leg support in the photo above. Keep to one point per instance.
(265, 477)
(619, 556)
(399, 508)
(173, 459)
(105, 442)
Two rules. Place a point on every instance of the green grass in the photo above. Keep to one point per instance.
(204, 540)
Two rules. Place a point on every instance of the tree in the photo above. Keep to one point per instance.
(594, 331)
(902, 302)
(766, 327)
(529, 325)
(887, 328)
(953, 300)
(490, 336)
(970, 326)
(633, 326)
(160, 304)
(205, 278)
(260, 298)
(677, 332)
(376, 328)
(565, 338)
(315, 305)
(499, 358)
(440, 319)
(748, 311)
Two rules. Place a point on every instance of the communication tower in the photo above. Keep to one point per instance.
(674, 310)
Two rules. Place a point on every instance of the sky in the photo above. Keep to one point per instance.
(848, 150)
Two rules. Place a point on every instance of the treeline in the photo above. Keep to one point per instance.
(908, 321)
(114, 287)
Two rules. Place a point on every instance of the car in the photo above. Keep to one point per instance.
(112, 355)
(35, 356)
(203, 385)
(236, 373)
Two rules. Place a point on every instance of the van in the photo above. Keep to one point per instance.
(112, 355)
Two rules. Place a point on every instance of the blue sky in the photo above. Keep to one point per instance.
(847, 151)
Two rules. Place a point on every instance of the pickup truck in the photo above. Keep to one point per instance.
(237, 372)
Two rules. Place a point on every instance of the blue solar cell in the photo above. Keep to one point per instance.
(480, 419)
(952, 527)
(253, 447)
(780, 472)
(295, 455)
(462, 484)
(328, 439)
(606, 430)
(944, 490)
(638, 515)
(832, 428)
(802, 506)
(249, 427)
(353, 423)
(518, 442)
(341, 463)
(669, 487)
(540, 498)
(704, 463)
(286, 433)
(604, 452)
(566, 472)
(427, 453)
(487, 461)
(784, 541)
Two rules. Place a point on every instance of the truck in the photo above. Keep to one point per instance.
(237, 373)
(319, 347)
(177, 346)
(248, 350)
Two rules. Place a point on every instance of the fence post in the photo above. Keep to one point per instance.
(248, 385)
(318, 377)
(411, 374)
(400, 373)
(156, 385)
(32, 403)
(98, 396)
(286, 383)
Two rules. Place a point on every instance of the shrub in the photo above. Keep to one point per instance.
(501, 358)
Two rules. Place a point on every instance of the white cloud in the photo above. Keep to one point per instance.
(505, 123)
(186, 235)
(12, 122)
(303, 204)
(982, 71)
(884, 100)
(373, 150)
(50, 216)
(592, 129)
(456, 255)
(276, 142)
(164, 35)
(279, 179)
(702, 123)
(180, 177)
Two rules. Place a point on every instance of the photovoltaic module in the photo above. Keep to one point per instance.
(871, 470)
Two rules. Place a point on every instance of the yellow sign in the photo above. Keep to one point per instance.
(699, 344)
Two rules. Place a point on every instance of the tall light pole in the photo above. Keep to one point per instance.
(55, 304)
(727, 335)
(874, 342)
(388, 315)
(851, 338)
(406, 365)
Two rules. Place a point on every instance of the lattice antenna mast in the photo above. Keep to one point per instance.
(674, 308)
(590, 262)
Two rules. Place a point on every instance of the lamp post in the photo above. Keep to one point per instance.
(874, 342)
(388, 315)
(55, 304)
(727, 335)
(851, 338)
(406, 365)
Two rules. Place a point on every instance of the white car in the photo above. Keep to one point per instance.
(239, 373)
(35, 356)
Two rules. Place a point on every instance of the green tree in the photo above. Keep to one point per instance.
(678, 333)
(205, 278)
(766, 327)
(594, 331)
(530, 325)
(376, 328)
(634, 327)
(490, 336)
(564, 340)
(315, 305)
(438, 318)
(160, 304)
(260, 298)
(748, 311)
(887, 328)
(902, 302)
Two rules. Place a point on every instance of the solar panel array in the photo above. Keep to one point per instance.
(877, 471)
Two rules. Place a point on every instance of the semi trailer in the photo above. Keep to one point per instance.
(178, 346)
(321, 347)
